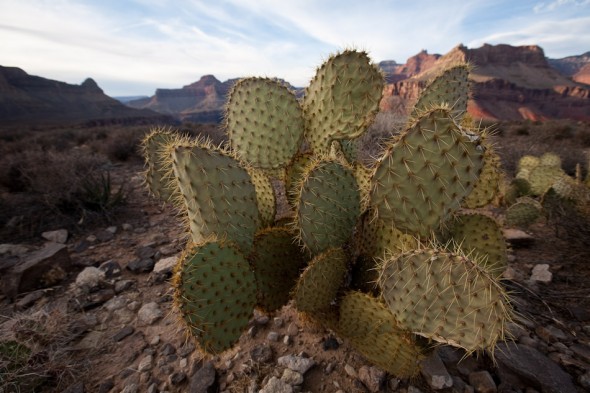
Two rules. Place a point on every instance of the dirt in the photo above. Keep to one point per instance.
(565, 303)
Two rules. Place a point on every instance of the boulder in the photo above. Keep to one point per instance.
(40, 269)
(520, 363)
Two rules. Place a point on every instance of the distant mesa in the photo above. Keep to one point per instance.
(32, 100)
(575, 67)
(199, 102)
(508, 82)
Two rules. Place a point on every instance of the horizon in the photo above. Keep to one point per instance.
(131, 48)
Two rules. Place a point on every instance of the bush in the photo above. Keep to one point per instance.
(48, 188)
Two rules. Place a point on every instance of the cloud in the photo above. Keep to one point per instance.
(146, 44)
(552, 6)
(558, 38)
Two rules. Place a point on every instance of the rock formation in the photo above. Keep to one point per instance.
(32, 100)
(199, 102)
(575, 67)
(509, 83)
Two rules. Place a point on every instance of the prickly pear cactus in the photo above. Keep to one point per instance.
(446, 297)
(365, 226)
(341, 100)
(264, 123)
(216, 189)
(159, 182)
(450, 87)
(421, 179)
(215, 292)
(328, 206)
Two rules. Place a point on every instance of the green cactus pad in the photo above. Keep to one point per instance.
(346, 149)
(528, 162)
(265, 196)
(328, 206)
(318, 285)
(450, 87)
(446, 297)
(158, 179)
(487, 186)
(421, 179)
(542, 178)
(517, 188)
(550, 159)
(480, 237)
(294, 175)
(523, 213)
(380, 239)
(277, 263)
(369, 326)
(341, 100)
(523, 173)
(363, 179)
(218, 192)
(264, 122)
(215, 292)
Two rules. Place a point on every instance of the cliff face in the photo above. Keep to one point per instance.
(575, 67)
(201, 102)
(508, 83)
(32, 100)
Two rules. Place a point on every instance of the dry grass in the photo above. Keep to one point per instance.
(37, 353)
(58, 178)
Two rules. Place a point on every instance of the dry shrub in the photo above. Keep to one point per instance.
(48, 188)
(571, 220)
(58, 178)
(384, 127)
(36, 354)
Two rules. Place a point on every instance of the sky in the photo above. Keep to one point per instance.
(133, 47)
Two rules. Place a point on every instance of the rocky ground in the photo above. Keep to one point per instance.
(105, 322)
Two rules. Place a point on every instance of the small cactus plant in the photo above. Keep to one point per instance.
(379, 225)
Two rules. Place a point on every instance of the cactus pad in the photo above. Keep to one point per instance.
(265, 196)
(487, 186)
(480, 237)
(327, 207)
(294, 175)
(451, 87)
(445, 297)
(341, 100)
(377, 238)
(542, 178)
(158, 179)
(523, 213)
(264, 122)
(215, 292)
(372, 330)
(550, 159)
(318, 285)
(422, 177)
(218, 193)
(528, 162)
(277, 263)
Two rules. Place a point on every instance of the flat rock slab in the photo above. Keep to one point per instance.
(518, 238)
(532, 368)
(40, 269)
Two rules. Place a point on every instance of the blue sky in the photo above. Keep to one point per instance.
(133, 47)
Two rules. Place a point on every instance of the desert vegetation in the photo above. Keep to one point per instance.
(79, 178)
